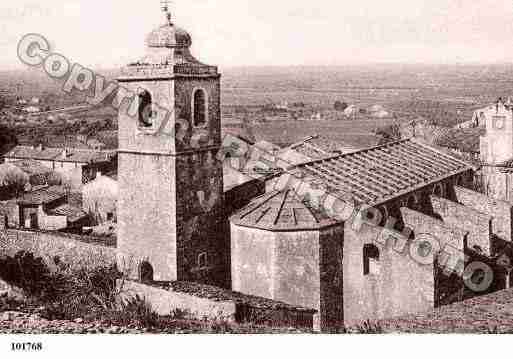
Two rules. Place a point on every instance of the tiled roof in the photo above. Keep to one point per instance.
(506, 164)
(38, 174)
(317, 147)
(31, 167)
(72, 213)
(233, 177)
(464, 139)
(311, 148)
(42, 196)
(378, 174)
(58, 154)
(281, 211)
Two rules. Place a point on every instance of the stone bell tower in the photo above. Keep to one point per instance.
(170, 181)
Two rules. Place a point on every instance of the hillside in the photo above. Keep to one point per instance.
(483, 315)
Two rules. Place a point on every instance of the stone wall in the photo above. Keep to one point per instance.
(443, 237)
(200, 222)
(241, 195)
(398, 283)
(217, 305)
(147, 215)
(252, 261)
(302, 268)
(77, 252)
(165, 301)
(497, 183)
(477, 224)
(501, 211)
(331, 255)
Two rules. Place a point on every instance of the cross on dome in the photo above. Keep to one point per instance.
(164, 5)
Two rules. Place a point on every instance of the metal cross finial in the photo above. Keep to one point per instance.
(164, 5)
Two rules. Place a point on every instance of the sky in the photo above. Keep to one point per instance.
(110, 33)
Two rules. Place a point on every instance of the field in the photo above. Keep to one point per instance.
(442, 94)
(355, 133)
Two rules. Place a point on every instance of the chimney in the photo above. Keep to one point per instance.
(64, 154)
(98, 174)
(40, 147)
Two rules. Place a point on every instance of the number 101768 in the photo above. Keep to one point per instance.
(26, 347)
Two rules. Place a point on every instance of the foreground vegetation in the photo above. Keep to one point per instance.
(89, 299)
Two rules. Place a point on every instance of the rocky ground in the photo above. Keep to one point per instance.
(489, 314)
(14, 322)
(20, 315)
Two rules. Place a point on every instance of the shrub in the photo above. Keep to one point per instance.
(368, 327)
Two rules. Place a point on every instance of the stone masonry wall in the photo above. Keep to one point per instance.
(477, 224)
(164, 302)
(57, 248)
(448, 238)
(253, 261)
(147, 215)
(229, 306)
(501, 211)
(331, 246)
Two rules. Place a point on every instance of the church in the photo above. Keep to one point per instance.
(284, 245)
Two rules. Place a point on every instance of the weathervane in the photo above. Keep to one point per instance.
(164, 5)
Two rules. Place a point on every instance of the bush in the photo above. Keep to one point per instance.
(368, 327)
(81, 295)
(26, 272)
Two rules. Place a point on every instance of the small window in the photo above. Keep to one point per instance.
(384, 215)
(412, 202)
(110, 216)
(438, 190)
(202, 261)
(145, 109)
(370, 255)
(146, 272)
(199, 108)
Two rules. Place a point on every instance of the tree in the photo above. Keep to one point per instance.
(13, 178)
(7, 139)
(389, 133)
(340, 106)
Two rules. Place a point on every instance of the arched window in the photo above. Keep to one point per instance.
(412, 202)
(384, 215)
(438, 190)
(146, 272)
(145, 109)
(199, 107)
(202, 261)
(370, 254)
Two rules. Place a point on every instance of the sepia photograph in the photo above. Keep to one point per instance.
(298, 169)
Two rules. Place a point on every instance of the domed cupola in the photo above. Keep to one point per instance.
(167, 51)
(169, 36)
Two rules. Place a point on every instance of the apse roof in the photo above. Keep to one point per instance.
(281, 211)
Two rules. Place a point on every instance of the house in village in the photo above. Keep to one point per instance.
(38, 174)
(45, 209)
(75, 166)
